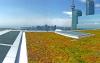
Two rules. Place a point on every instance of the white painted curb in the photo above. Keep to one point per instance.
(23, 52)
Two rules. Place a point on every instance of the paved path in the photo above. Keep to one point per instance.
(7, 40)
(4, 31)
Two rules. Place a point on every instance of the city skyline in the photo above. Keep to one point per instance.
(39, 12)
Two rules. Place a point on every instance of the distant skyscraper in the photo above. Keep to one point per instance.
(90, 7)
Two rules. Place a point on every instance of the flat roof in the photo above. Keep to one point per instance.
(7, 43)
(9, 37)
(3, 51)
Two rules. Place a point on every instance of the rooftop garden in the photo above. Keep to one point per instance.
(48, 47)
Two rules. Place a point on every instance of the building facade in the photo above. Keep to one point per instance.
(90, 7)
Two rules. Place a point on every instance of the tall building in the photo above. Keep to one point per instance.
(90, 7)
(75, 14)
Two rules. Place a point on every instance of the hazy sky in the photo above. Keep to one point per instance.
(39, 12)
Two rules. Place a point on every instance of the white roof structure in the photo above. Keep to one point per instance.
(73, 34)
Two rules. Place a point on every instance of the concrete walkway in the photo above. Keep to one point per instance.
(4, 31)
(12, 53)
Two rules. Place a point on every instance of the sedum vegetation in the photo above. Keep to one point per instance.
(48, 47)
